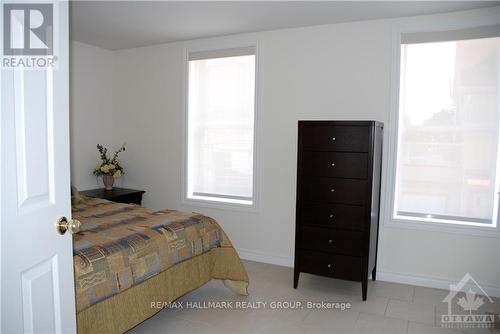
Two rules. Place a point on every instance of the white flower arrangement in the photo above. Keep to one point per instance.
(109, 166)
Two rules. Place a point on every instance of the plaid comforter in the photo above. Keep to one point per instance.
(121, 245)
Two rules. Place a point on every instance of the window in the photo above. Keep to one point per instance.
(220, 126)
(448, 128)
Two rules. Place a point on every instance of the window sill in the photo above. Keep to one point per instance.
(481, 231)
(220, 205)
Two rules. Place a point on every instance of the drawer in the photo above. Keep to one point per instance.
(129, 199)
(335, 138)
(344, 191)
(333, 215)
(333, 265)
(331, 240)
(335, 164)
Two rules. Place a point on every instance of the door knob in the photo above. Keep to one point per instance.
(62, 225)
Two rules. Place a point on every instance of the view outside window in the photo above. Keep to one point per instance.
(221, 129)
(447, 159)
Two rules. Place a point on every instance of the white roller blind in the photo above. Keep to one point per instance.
(451, 35)
(221, 125)
(233, 52)
(447, 163)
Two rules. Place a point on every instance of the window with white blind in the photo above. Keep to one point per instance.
(448, 127)
(220, 126)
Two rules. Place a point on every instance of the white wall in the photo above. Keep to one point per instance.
(338, 71)
(91, 109)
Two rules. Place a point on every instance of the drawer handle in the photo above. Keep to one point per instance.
(333, 138)
(330, 241)
(331, 215)
(329, 265)
(333, 164)
(332, 190)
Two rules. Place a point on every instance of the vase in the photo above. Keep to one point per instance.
(108, 181)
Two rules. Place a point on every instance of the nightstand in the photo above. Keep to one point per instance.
(120, 195)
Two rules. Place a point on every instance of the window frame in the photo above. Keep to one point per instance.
(417, 25)
(214, 203)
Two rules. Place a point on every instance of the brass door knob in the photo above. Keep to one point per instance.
(62, 225)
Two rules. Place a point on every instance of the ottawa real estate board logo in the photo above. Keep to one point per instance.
(28, 35)
(468, 306)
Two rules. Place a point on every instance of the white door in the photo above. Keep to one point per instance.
(37, 284)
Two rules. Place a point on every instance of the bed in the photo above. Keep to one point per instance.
(128, 259)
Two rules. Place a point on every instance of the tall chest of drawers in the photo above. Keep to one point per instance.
(338, 193)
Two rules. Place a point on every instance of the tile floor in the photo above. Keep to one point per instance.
(390, 308)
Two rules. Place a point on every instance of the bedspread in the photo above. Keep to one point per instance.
(121, 245)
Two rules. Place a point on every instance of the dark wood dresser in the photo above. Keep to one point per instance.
(120, 195)
(338, 192)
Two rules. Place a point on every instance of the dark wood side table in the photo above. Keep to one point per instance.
(120, 195)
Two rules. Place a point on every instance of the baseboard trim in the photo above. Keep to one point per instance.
(251, 255)
(403, 278)
(430, 282)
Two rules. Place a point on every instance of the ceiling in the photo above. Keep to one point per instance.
(117, 25)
